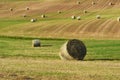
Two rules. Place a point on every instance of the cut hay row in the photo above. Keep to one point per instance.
(97, 17)
(27, 8)
(93, 3)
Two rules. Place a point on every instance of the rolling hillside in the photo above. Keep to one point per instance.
(12, 23)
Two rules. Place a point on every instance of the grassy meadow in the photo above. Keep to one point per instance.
(20, 61)
(22, 47)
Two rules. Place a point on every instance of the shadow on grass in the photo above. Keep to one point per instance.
(102, 60)
(46, 45)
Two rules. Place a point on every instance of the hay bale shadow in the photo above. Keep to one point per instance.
(24, 78)
(46, 45)
(102, 59)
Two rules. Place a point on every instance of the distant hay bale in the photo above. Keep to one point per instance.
(73, 50)
(118, 19)
(85, 11)
(43, 16)
(110, 3)
(93, 3)
(59, 12)
(33, 20)
(11, 9)
(78, 18)
(78, 2)
(27, 8)
(36, 43)
(98, 17)
(73, 17)
(24, 15)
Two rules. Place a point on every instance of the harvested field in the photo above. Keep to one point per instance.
(19, 60)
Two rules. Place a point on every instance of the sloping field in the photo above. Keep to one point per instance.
(20, 61)
(60, 25)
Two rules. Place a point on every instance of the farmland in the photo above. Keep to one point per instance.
(60, 25)
(20, 61)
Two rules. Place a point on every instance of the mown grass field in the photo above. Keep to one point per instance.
(22, 47)
(20, 61)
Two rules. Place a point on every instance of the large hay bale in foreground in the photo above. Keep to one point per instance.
(73, 50)
(118, 19)
(36, 43)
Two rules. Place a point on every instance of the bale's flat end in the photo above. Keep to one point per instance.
(36, 43)
(73, 50)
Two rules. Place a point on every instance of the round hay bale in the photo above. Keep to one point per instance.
(27, 8)
(98, 17)
(85, 11)
(59, 12)
(73, 17)
(24, 15)
(78, 18)
(78, 2)
(93, 3)
(118, 19)
(110, 4)
(11, 9)
(33, 20)
(73, 50)
(36, 43)
(43, 16)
